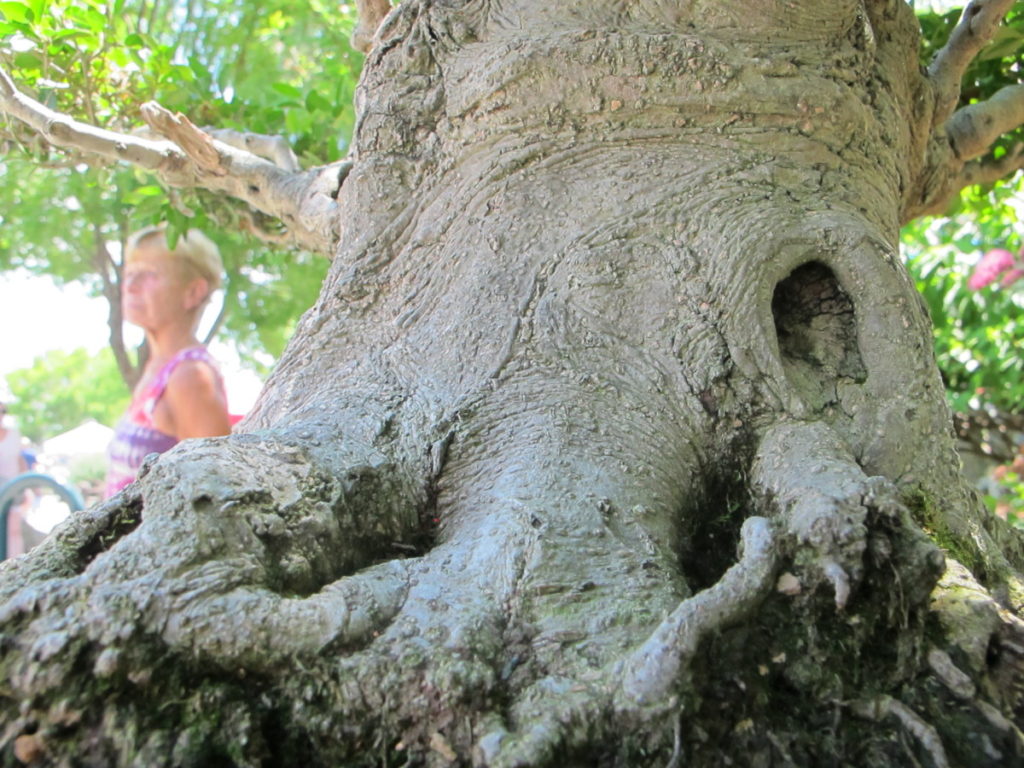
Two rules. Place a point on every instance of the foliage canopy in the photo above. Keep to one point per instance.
(262, 68)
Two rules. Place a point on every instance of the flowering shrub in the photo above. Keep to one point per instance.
(1009, 502)
(997, 262)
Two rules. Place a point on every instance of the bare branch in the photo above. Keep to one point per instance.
(977, 172)
(60, 130)
(990, 171)
(973, 129)
(179, 129)
(976, 28)
(967, 135)
(306, 201)
(218, 321)
(248, 222)
(272, 148)
(109, 272)
(371, 14)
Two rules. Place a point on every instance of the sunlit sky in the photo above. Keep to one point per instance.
(36, 316)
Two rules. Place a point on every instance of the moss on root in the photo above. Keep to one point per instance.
(932, 520)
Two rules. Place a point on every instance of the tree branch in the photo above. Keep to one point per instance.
(179, 129)
(973, 129)
(990, 171)
(273, 148)
(371, 14)
(248, 222)
(978, 172)
(976, 28)
(110, 275)
(218, 321)
(305, 201)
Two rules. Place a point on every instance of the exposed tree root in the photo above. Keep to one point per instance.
(809, 476)
(654, 669)
(884, 706)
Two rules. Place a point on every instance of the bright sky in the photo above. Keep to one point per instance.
(36, 316)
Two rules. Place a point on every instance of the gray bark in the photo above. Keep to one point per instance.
(614, 438)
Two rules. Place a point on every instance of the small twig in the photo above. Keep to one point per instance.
(677, 745)
(86, 61)
(272, 148)
(878, 708)
(977, 26)
(218, 321)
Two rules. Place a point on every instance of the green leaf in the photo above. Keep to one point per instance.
(17, 11)
(317, 102)
(298, 121)
(1006, 42)
(89, 18)
(138, 195)
(149, 209)
(28, 60)
(288, 91)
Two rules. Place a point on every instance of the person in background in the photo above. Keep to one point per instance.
(12, 464)
(181, 392)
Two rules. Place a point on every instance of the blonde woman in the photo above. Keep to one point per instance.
(181, 392)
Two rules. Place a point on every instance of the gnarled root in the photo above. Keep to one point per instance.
(242, 564)
(807, 475)
(556, 713)
(653, 670)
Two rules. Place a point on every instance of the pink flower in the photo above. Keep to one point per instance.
(1013, 275)
(991, 266)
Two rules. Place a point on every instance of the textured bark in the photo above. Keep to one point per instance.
(614, 438)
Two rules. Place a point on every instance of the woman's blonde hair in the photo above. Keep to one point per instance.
(197, 254)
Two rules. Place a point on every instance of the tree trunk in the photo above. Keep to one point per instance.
(614, 438)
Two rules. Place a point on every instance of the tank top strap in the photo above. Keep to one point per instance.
(156, 390)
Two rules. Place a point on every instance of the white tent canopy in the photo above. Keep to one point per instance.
(90, 437)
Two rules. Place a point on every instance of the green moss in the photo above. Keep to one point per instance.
(930, 518)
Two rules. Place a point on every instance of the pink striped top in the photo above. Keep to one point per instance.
(135, 436)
